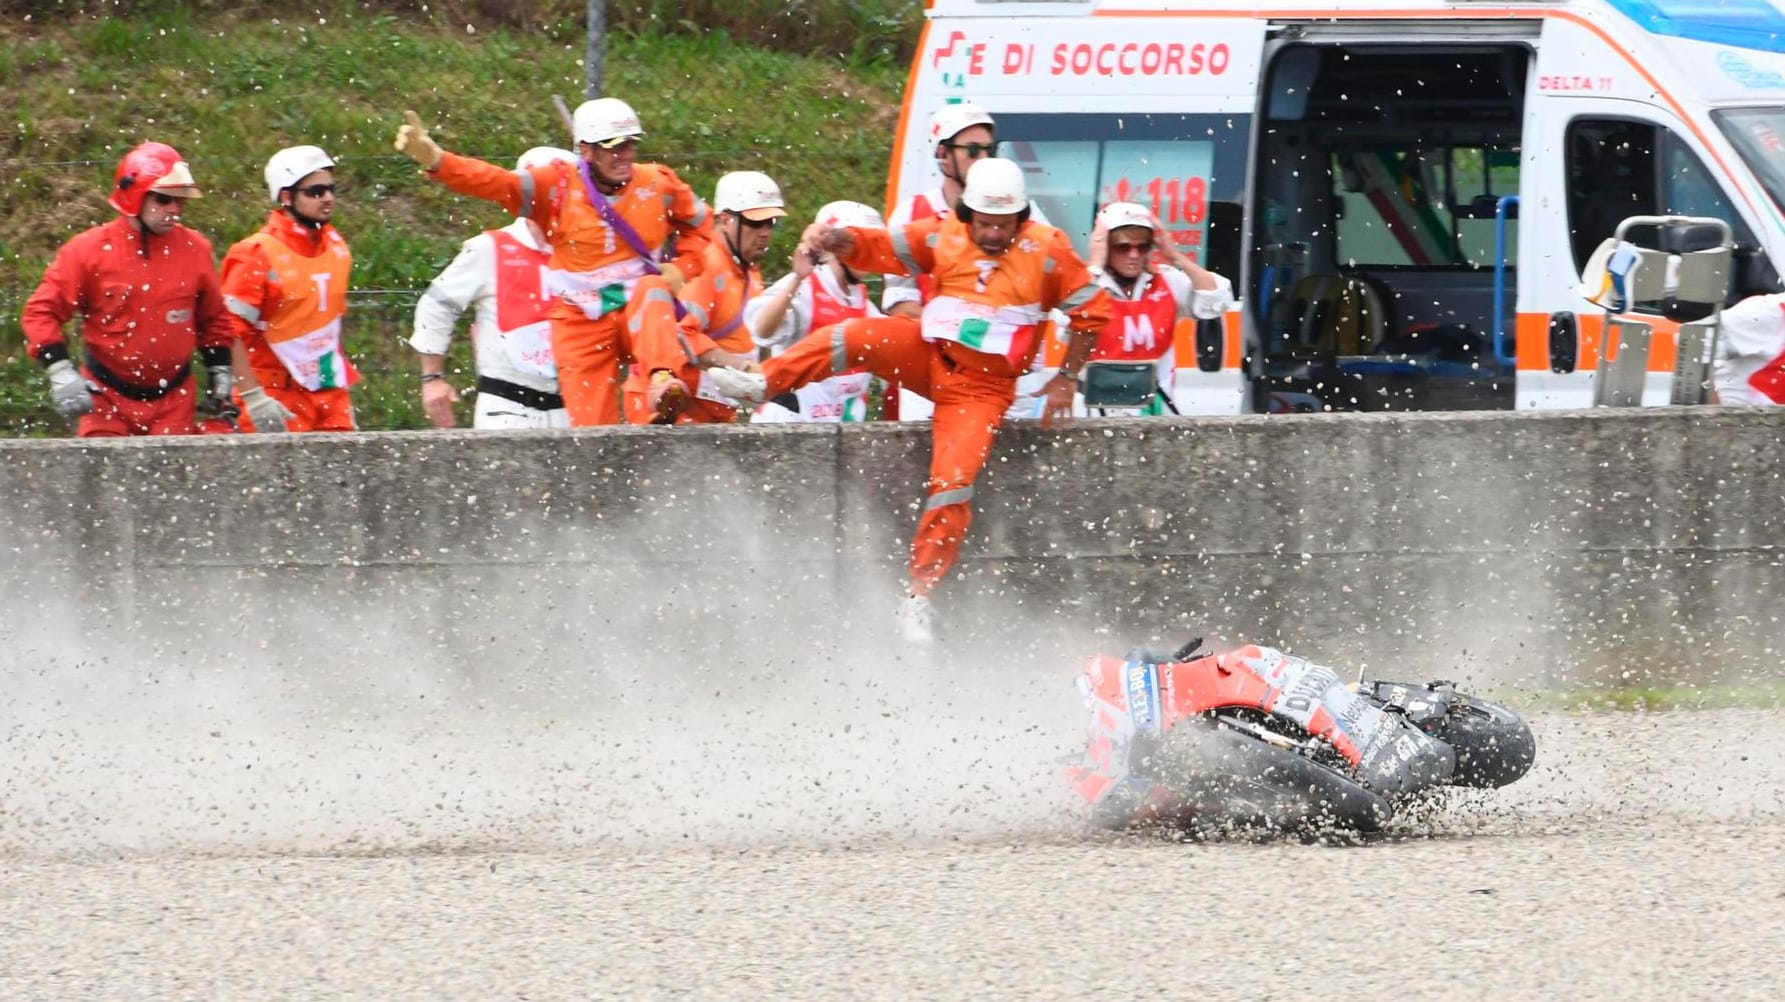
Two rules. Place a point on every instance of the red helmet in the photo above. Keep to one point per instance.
(151, 167)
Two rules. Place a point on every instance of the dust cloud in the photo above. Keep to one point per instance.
(679, 705)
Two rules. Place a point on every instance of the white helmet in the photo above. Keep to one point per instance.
(995, 185)
(539, 156)
(606, 121)
(951, 119)
(864, 217)
(1116, 215)
(751, 194)
(291, 165)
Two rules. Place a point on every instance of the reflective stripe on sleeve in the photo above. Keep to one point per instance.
(526, 193)
(1079, 297)
(241, 309)
(901, 245)
(699, 315)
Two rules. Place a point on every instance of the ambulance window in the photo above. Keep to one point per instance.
(1688, 189)
(1611, 175)
(1392, 209)
(1189, 169)
(1062, 178)
(1619, 168)
(1479, 178)
(1758, 134)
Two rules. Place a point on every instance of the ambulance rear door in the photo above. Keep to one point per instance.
(1385, 192)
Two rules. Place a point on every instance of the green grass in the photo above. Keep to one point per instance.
(230, 89)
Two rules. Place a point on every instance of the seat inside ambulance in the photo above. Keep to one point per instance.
(1330, 314)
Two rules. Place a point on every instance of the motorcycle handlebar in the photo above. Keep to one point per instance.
(1183, 653)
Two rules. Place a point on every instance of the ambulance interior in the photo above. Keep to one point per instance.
(1380, 241)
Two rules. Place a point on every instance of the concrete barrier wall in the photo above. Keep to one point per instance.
(1557, 547)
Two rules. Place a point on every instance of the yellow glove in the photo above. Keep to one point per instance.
(673, 275)
(413, 142)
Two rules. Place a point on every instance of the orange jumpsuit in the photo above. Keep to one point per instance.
(286, 285)
(715, 302)
(607, 299)
(979, 332)
(146, 304)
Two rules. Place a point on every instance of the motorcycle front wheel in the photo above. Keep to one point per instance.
(1494, 746)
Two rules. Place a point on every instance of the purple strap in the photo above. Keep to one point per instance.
(623, 229)
(728, 326)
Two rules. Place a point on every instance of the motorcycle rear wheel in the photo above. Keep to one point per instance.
(1225, 773)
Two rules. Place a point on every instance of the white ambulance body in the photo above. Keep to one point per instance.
(1404, 194)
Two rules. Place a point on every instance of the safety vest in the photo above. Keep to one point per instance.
(989, 304)
(523, 304)
(1140, 329)
(844, 396)
(304, 330)
(725, 325)
(598, 291)
(717, 288)
(827, 309)
(1767, 383)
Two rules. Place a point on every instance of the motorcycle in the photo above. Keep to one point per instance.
(1257, 738)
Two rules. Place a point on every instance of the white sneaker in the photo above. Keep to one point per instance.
(917, 619)
(749, 387)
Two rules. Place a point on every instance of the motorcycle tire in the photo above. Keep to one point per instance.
(1494, 746)
(1219, 769)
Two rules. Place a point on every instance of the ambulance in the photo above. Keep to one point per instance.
(1404, 194)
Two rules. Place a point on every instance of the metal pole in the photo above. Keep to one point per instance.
(595, 60)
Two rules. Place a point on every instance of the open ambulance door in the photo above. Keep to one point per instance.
(1384, 209)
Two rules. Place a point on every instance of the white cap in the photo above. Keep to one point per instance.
(606, 121)
(995, 185)
(751, 194)
(539, 156)
(1116, 215)
(293, 164)
(951, 119)
(855, 214)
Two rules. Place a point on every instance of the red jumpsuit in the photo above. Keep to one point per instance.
(278, 303)
(147, 305)
(606, 296)
(715, 302)
(979, 332)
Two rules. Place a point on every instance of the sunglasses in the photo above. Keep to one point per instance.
(974, 150)
(317, 190)
(759, 224)
(1146, 248)
(163, 200)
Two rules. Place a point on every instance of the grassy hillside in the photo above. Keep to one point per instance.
(229, 89)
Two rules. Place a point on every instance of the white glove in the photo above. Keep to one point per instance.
(72, 394)
(268, 414)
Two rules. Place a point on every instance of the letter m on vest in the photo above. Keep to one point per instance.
(1137, 332)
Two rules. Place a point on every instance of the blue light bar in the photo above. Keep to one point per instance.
(1743, 24)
